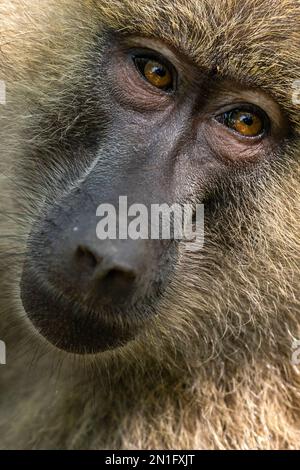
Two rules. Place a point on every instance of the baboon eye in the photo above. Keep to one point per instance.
(246, 122)
(156, 72)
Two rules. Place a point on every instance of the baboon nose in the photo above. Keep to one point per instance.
(104, 275)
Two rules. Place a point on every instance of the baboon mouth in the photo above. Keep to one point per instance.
(70, 326)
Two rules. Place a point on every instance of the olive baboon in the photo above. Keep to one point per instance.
(146, 344)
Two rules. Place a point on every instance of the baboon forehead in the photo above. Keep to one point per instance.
(195, 24)
(223, 32)
(256, 42)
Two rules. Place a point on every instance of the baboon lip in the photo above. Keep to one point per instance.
(68, 326)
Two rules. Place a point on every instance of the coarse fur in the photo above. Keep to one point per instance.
(214, 369)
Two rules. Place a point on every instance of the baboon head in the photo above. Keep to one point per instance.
(165, 102)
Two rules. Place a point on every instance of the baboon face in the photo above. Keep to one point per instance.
(160, 116)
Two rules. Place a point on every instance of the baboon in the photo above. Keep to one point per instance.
(144, 344)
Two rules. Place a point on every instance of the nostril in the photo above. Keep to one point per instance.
(103, 268)
(117, 283)
(85, 257)
(114, 276)
(121, 274)
(102, 277)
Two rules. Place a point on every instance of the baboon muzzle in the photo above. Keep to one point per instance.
(84, 294)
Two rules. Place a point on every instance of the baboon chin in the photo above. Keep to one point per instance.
(141, 342)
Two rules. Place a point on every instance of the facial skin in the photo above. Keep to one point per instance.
(175, 131)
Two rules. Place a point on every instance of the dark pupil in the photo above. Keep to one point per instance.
(160, 71)
(231, 118)
(247, 119)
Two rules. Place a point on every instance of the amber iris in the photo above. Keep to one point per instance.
(246, 123)
(158, 75)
